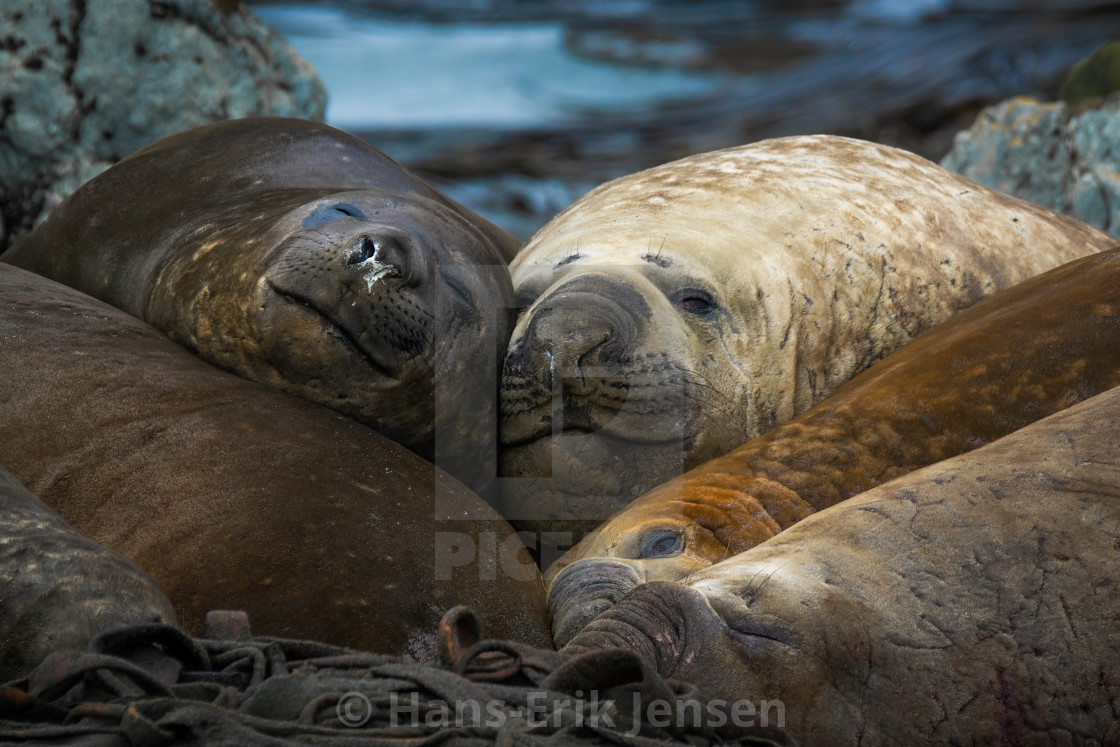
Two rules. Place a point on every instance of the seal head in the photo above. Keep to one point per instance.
(365, 303)
(608, 362)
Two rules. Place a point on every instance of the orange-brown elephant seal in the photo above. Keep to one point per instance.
(299, 256)
(676, 313)
(972, 602)
(60, 589)
(1008, 361)
(234, 496)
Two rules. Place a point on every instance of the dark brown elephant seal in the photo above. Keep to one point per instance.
(1008, 361)
(676, 313)
(234, 496)
(972, 602)
(299, 256)
(58, 589)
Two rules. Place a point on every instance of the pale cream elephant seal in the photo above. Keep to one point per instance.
(671, 315)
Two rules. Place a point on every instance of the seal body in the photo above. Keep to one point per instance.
(677, 313)
(970, 602)
(61, 589)
(234, 496)
(1008, 361)
(298, 256)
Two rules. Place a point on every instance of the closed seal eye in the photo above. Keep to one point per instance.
(662, 543)
(696, 301)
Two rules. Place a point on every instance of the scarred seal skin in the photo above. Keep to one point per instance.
(235, 496)
(674, 314)
(971, 602)
(1010, 360)
(60, 589)
(301, 257)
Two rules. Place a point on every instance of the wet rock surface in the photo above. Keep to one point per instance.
(84, 83)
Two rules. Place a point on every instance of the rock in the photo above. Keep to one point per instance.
(83, 84)
(1065, 159)
(1018, 147)
(1094, 77)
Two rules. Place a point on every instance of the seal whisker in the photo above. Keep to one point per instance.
(749, 593)
(733, 410)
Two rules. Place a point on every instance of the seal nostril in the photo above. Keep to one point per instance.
(376, 259)
(363, 251)
(584, 589)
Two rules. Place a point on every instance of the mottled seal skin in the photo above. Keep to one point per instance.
(971, 602)
(1010, 360)
(235, 496)
(60, 589)
(299, 256)
(676, 313)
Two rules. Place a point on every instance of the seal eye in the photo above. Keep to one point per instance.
(365, 249)
(662, 544)
(697, 302)
(327, 214)
(457, 286)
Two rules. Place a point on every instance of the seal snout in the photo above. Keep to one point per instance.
(380, 256)
(584, 589)
(580, 336)
(370, 285)
(576, 354)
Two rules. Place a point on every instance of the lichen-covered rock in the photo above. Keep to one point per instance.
(1018, 147)
(1066, 160)
(84, 83)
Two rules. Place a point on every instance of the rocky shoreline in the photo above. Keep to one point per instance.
(85, 88)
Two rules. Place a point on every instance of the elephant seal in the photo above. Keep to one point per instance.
(676, 313)
(1010, 360)
(235, 496)
(971, 602)
(299, 256)
(60, 589)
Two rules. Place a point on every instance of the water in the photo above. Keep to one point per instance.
(411, 75)
(897, 11)
(517, 107)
